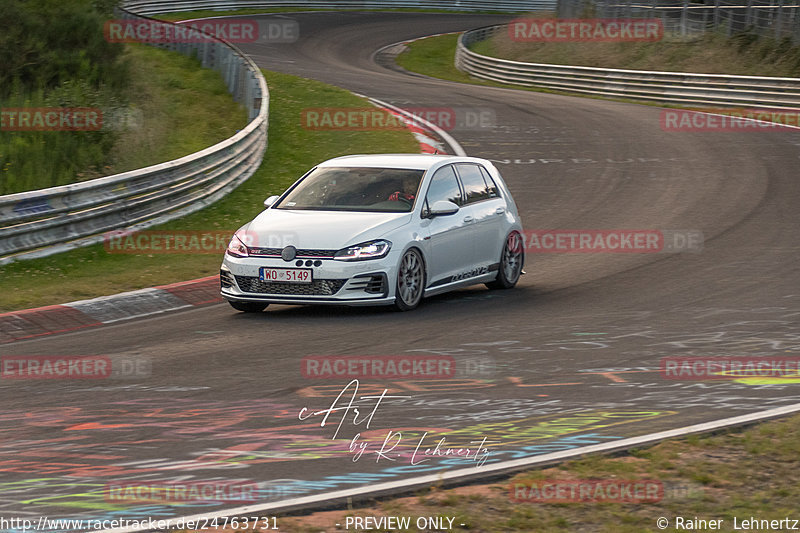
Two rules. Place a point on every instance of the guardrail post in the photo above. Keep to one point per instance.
(795, 26)
(771, 14)
(684, 15)
(730, 23)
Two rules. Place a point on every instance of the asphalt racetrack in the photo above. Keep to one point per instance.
(569, 358)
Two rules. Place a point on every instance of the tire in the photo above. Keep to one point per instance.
(410, 286)
(248, 307)
(511, 262)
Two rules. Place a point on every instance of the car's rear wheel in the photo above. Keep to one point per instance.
(249, 307)
(510, 263)
(410, 281)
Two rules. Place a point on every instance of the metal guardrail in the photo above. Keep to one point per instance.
(47, 221)
(154, 7)
(660, 87)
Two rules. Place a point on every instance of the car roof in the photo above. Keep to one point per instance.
(409, 161)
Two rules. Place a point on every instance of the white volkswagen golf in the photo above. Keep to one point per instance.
(377, 230)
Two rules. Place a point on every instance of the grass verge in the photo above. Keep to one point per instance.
(743, 54)
(737, 474)
(181, 108)
(434, 57)
(292, 150)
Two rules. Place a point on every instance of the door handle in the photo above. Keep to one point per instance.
(468, 219)
(500, 210)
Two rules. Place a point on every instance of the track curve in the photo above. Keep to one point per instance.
(569, 358)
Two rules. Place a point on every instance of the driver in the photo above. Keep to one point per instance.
(408, 192)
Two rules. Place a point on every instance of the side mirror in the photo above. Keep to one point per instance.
(270, 201)
(443, 207)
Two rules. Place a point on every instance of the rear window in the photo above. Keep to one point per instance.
(475, 187)
(491, 186)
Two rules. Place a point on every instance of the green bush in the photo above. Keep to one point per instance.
(54, 54)
(44, 43)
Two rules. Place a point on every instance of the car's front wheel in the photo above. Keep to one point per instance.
(510, 263)
(248, 307)
(410, 281)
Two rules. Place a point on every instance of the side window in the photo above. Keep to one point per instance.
(491, 186)
(444, 186)
(474, 185)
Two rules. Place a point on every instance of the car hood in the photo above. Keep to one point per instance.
(328, 230)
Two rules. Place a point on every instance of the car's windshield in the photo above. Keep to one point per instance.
(391, 190)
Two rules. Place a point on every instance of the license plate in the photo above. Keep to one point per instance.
(286, 275)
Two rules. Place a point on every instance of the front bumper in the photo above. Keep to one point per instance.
(334, 282)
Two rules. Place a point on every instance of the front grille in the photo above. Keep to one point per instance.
(276, 252)
(225, 279)
(319, 287)
(315, 253)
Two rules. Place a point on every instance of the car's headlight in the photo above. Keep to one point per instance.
(237, 248)
(366, 250)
